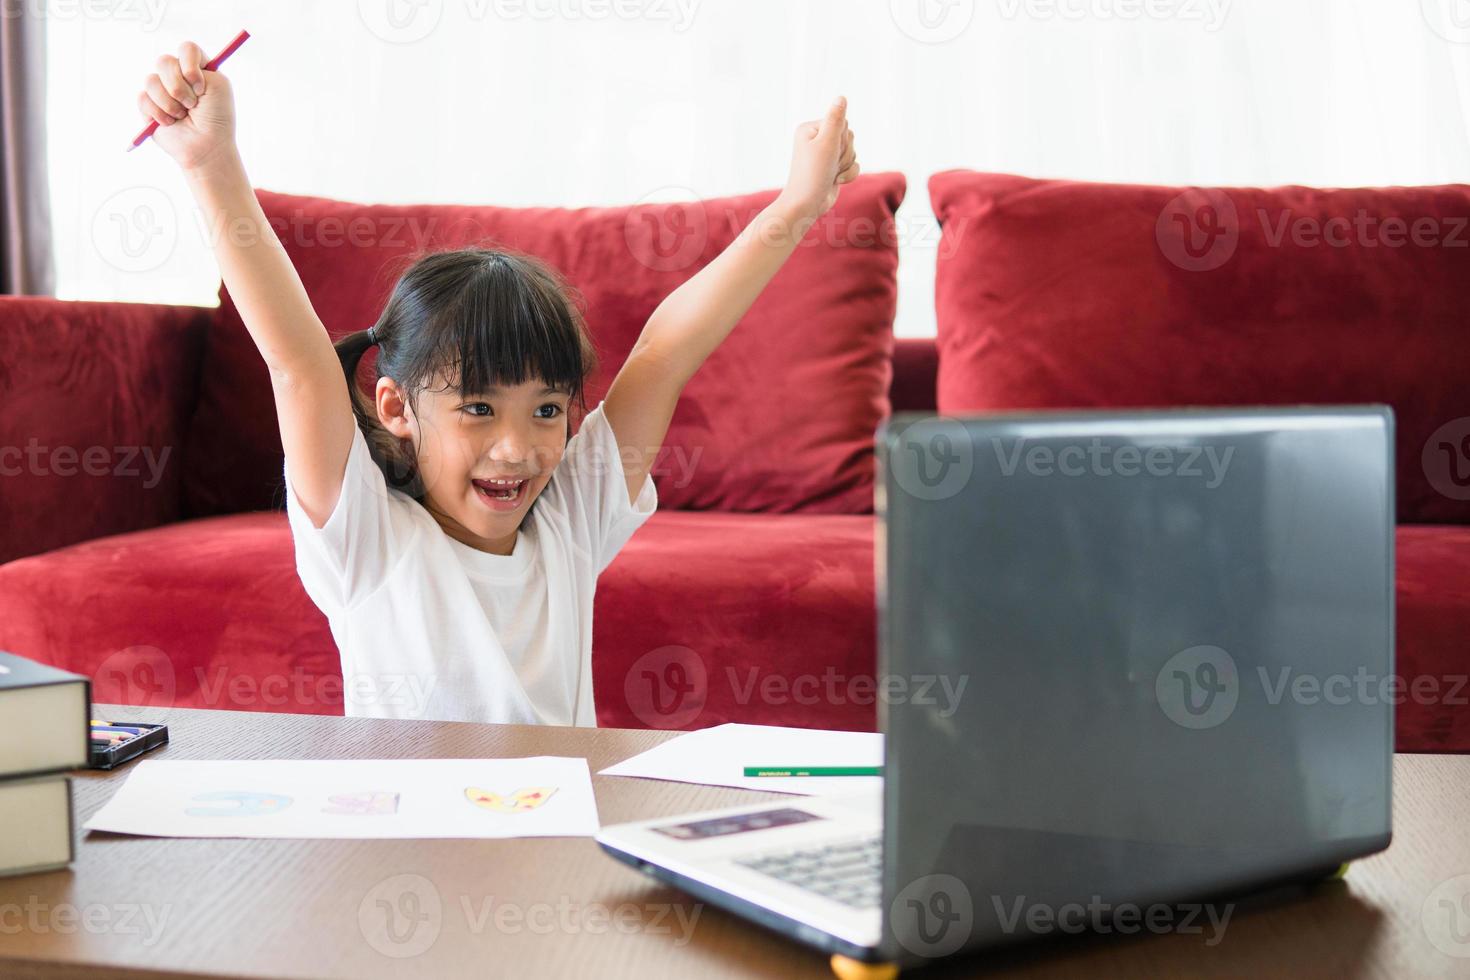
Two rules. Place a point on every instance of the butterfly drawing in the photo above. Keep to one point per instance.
(526, 798)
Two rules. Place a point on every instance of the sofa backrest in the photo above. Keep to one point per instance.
(1054, 294)
(779, 419)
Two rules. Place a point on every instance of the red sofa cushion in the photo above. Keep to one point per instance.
(200, 614)
(1433, 581)
(97, 401)
(780, 418)
(709, 618)
(1064, 294)
(211, 614)
(702, 618)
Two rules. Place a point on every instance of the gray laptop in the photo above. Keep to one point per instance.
(1172, 634)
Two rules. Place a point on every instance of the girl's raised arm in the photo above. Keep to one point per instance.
(696, 318)
(196, 126)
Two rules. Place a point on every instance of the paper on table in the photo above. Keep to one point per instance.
(542, 796)
(718, 757)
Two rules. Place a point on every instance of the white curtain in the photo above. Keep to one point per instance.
(604, 102)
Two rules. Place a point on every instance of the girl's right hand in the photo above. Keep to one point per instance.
(194, 108)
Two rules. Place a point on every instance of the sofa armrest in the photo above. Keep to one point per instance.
(97, 397)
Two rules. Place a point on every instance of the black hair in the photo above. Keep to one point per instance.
(478, 317)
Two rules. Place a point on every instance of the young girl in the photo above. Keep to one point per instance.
(449, 526)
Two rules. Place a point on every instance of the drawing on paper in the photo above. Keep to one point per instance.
(368, 804)
(520, 801)
(238, 803)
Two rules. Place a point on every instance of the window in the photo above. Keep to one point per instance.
(605, 102)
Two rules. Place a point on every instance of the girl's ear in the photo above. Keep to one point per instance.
(394, 412)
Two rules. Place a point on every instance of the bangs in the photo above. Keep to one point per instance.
(507, 322)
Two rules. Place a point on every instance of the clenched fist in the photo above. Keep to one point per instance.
(194, 108)
(823, 160)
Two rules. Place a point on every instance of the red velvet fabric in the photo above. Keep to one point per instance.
(708, 618)
(97, 397)
(1433, 571)
(201, 614)
(915, 369)
(770, 612)
(779, 419)
(703, 618)
(1064, 294)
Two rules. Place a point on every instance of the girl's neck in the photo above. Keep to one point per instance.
(451, 527)
(504, 546)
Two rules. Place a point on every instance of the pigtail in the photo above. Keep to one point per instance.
(399, 468)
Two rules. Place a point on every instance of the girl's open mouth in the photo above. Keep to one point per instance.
(501, 494)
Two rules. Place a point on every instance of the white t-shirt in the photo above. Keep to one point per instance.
(429, 627)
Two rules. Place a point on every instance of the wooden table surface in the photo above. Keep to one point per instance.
(145, 907)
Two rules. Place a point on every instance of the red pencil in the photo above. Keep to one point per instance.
(213, 65)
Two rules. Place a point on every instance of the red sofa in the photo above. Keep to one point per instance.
(136, 552)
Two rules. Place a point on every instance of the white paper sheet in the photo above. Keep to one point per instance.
(542, 796)
(718, 757)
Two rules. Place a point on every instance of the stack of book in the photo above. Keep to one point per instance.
(46, 715)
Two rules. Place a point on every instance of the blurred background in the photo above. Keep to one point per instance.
(604, 102)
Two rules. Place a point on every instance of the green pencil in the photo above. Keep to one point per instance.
(814, 770)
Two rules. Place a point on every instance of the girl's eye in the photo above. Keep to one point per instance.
(555, 411)
(470, 409)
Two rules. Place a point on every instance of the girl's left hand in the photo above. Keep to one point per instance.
(823, 160)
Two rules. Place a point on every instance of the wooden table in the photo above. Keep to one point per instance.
(147, 907)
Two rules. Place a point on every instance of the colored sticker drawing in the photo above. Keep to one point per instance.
(522, 800)
(367, 804)
(238, 803)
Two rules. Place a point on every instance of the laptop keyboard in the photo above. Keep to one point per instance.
(846, 872)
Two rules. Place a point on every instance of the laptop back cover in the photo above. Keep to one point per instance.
(1128, 659)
